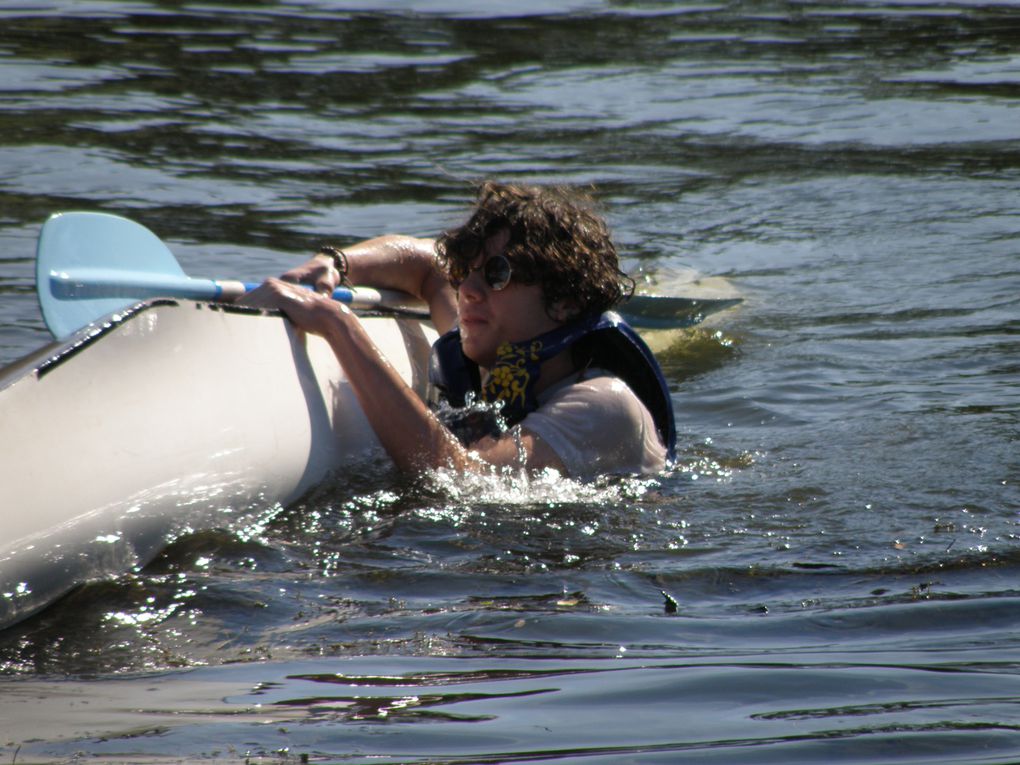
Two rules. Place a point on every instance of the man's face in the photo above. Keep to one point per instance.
(490, 317)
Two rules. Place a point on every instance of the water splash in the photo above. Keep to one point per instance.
(473, 421)
(518, 487)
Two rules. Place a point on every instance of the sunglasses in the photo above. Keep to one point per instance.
(496, 272)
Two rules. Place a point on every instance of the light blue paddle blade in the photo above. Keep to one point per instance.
(91, 264)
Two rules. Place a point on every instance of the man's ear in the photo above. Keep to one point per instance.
(563, 310)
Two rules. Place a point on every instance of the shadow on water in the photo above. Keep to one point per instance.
(792, 706)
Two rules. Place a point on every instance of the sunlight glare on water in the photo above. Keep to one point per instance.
(514, 488)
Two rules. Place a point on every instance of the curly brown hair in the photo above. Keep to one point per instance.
(557, 241)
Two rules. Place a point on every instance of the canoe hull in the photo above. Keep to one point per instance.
(170, 417)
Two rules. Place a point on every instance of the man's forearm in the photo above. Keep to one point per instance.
(409, 432)
(407, 264)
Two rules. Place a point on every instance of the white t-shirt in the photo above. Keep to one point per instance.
(597, 425)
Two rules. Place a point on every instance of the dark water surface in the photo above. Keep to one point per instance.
(841, 534)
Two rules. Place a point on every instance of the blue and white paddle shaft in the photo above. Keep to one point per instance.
(89, 265)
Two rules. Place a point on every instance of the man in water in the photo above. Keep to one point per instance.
(520, 295)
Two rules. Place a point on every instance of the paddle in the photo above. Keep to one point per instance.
(89, 265)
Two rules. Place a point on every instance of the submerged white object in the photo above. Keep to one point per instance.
(172, 415)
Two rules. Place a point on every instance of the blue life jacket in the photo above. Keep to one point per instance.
(603, 341)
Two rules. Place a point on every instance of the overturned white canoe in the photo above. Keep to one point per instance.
(174, 415)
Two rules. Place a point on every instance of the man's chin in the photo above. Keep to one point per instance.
(477, 355)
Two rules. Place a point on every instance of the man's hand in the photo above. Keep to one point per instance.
(310, 311)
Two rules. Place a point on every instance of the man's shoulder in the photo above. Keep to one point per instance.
(596, 424)
(595, 389)
(593, 379)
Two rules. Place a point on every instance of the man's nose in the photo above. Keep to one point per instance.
(473, 287)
